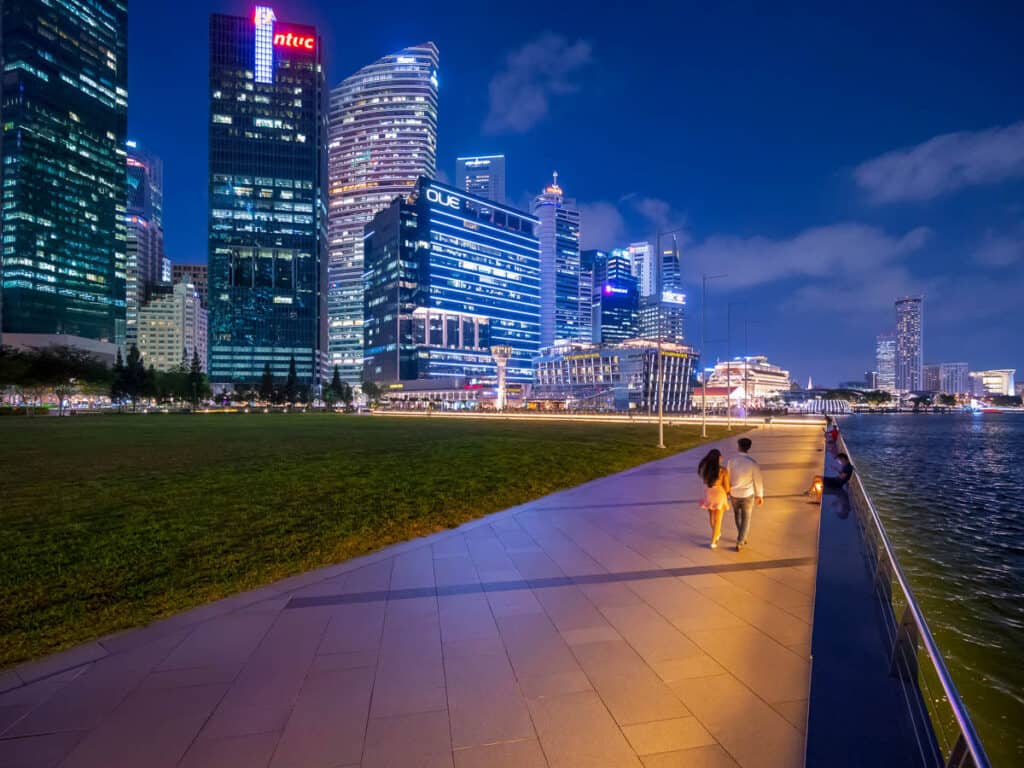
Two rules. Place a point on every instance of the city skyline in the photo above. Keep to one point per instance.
(830, 188)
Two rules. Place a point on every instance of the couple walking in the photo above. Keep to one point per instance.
(738, 483)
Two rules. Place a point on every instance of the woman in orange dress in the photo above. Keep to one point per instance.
(716, 491)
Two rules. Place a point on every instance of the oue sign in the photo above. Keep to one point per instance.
(290, 40)
(443, 198)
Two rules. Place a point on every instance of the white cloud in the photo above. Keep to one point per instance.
(601, 226)
(944, 164)
(999, 251)
(521, 92)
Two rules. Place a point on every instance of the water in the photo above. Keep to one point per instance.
(950, 490)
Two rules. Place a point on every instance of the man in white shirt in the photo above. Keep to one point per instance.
(747, 487)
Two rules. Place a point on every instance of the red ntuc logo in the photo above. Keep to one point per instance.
(291, 40)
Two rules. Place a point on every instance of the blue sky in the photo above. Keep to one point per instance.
(827, 160)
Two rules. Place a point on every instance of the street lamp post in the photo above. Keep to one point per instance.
(746, 376)
(728, 366)
(704, 378)
(661, 309)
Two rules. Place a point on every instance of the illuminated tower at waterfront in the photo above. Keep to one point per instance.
(65, 119)
(910, 343)
(267, 236)
(383, 137)
(885, 361)
(563, 297)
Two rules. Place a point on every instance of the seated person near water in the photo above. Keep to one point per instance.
(836, 482)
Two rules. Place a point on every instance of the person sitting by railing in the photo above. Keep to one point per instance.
(844, 474)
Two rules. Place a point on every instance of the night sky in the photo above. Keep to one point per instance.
(828, 162)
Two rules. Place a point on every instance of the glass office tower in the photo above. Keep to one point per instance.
(65, 119)
(448, 276)
(145, 246)
(483, 176)
(885, 361)
(562, 303)
(910, 344)
(267, 214)
(383, 137)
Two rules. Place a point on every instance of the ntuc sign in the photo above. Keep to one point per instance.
(291, 40)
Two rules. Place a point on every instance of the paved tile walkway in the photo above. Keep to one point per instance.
(590, 628)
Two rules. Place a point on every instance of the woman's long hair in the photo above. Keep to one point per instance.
(710, 467)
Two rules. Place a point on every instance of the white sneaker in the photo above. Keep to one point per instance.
(714, 545)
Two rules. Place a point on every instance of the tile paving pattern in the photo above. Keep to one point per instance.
(593, 627)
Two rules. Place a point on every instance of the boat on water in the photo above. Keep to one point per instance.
(997, 409)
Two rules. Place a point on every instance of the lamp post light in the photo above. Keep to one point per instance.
(661, 315)
(704, 377)
(746, 376)
(728, 365)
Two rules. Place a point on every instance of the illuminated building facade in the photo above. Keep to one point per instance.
(483, 176)
(885, 362)
(932, 378)
(641, 257)
(267, 240)
(954, 378)
(613, 377)
(994, 382)
(171, 327)
(759, 380)
(197, 274)
(383, 137)
(562, 296)
(910, 344)
(448, 276)
(144, 223)
(65, 117)
(614, 298)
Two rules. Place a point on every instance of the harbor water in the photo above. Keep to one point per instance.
(950, 490)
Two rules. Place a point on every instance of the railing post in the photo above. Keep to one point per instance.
(883, 577)
(905, 646)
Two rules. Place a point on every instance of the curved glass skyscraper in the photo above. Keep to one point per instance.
(382, 138)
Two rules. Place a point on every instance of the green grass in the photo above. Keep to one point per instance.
(111, 522)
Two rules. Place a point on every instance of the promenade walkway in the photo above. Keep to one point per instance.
(593, 627)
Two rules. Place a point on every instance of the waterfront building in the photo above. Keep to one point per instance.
(172, 327)
(641, 257)
(760, 380)
(383, 137)
(562, 302)
(197, 274)
(871, 380)
(266, 190)
(65, 120)
(450, 275)
(145, 246)
(910, 343)
(885, 361)
(616, 310)
(716, 398)
(954, 378)
(613, 377)
(483, 176)
(932, 378)
(994, 382)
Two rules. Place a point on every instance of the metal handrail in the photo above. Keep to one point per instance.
(969, 739)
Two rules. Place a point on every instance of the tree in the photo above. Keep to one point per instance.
(14, 366)
(1006, 401)
(117, 380)
(134, 376)
(267, 384)
(62, 370)
(947, 400)
(198, 385)
(346, 394)
(291, 384)
(371, 390)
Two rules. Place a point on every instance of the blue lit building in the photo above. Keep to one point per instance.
(65, 119)
(564, 299)
(615, 298)
(448, 275)
(267, 226)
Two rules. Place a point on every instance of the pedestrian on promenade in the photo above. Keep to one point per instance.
(716, 491)
(747, 488)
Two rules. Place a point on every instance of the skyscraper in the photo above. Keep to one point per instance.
(615, 296)
(910, 343)
(642, 258)
(561, 299)
(663, 314)
(885, 361)
(196, 274)
(383, 137)
(144, 222)
(172, 326)
(448, 276)
(267, 215)
(482, 176)
(65, 119)
(932, 378)
(954, 378)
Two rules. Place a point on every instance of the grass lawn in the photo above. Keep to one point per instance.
(109, 522)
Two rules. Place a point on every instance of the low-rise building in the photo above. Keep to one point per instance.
(172, 326)
(760, 380)
(994, 382)
(613, 377)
